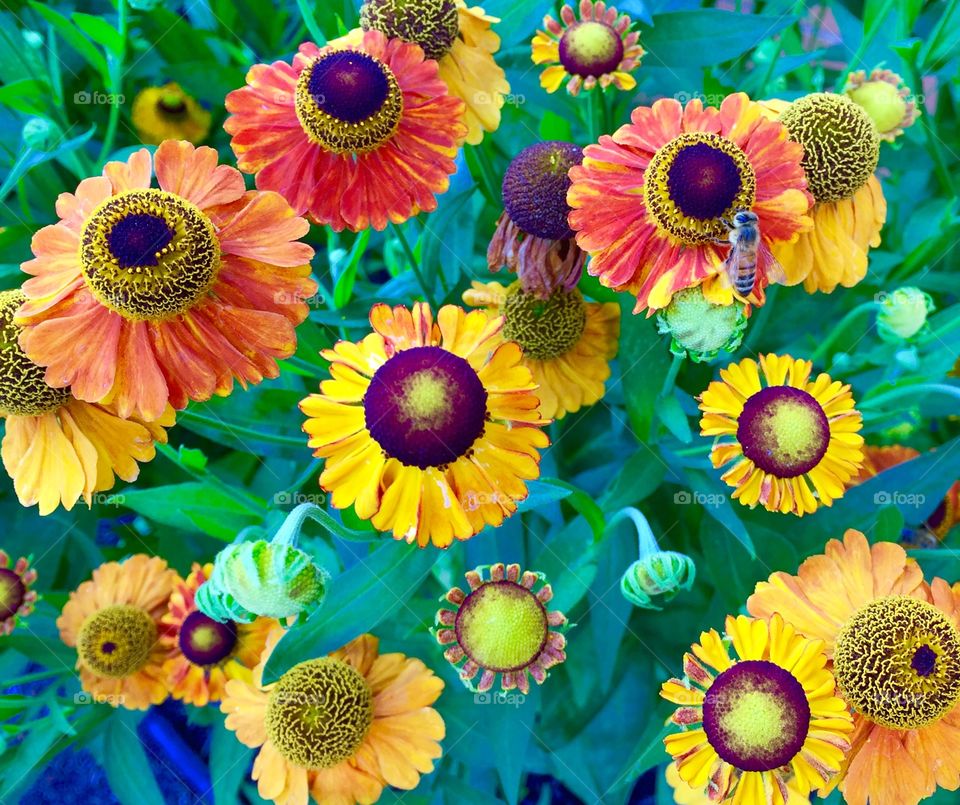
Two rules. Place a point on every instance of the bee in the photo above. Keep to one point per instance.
(747, 252)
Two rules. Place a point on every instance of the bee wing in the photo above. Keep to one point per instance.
(774, 272)
(731, 265)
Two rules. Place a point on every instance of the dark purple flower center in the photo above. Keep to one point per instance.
(784, 431)
(756, 716)
(589, 48)
(924, 661)
(425, 407)
(12, 593)
(703, 181)
(205, 641)
(349, 86)
(535, 188)
(135, 240)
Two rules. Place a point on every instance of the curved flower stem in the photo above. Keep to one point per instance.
(415, 265)
(918, 391)
(646, 542)
(289, 532)
(116, 82)
(838, 329)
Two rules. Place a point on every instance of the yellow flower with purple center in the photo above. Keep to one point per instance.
(887, 100)
(756, 718)
(502, 628)
(461, 40)
(595, 49)
(533, 238)
(795, 440)
(16, 598)
(169, 113)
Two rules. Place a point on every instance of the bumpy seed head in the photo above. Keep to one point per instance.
(432, 24)
(116, 641)
(23, 391)
(841, 145)
(897, 661)
(544, 328)
(319, 712)
(699, 328)
(535, 188)
(148, 254)
(348, 102)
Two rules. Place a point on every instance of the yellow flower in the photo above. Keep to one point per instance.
(753, 721)
(169, 113)
(429, 428)
(683, 794)
(338, 728)
(567, 343)
(796, 440)
(115, 622)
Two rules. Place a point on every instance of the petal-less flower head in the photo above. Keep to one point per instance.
(699, 328)
(753, 720)
(143, 296)
(16, 598)
(796, 440)
(653, 203)
(896, 652)
(502, 627)
(461, 41)
(840, 152)
(533, 238)
(429, 428)
(56, 448)
(115, 622)
(356, 134)
(886, 99)
(658, 575)
(338, 728)
(567, 343)
(169, 113)
(596, 49)
(205, 653)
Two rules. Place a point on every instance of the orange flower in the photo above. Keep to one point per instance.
(356, 134)
(380, 729)
(205, 653)
(651, 202)
(895, 646)
(144, 296)
(115, 622)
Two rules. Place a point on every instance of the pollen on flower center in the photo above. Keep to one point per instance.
(149, 254)
(501, 626)
(348, 102)
(432, 24)
(590, 48)
(544, 328)
(23, 391)
(319, 712)
(535, 188)
(116, 641)
(784, 431)
(12, 593)
(697, 182)
(425, 407)
(897, 661)
(756, 716)
(204, 641)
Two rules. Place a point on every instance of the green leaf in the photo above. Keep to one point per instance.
(343, 289)
(357, 600)
(29, 158)
(192, 507)
(546, 490)
(671, 414)
(229, 763)
(719, 506)
(644, 363)
(100, 31)
(707, 36)
(73, 37)
(125, 762)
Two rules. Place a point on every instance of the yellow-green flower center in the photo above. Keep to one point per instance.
(348, 102)
(116, 641)
(882, 101)
(23, 391)
(841, 145)
(897, 661)
(432, 24)
(172, 105)
(695, 184)
(502, 626)
(148, 254)
(544, 328)
(700, 329)
(319, 712)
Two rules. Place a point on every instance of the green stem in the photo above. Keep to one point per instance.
(116, 82)
(671, 379)
(591, 117)
(933, 141)
(839, 328)
(415, 265)
(917, 391)
(311, 22)
(694, 451)
(868, 37)
(26, 678)
(646, 542)
(240, 431)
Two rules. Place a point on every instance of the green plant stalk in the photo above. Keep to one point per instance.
(415, 265)
(868, 37)
(239, 430)
(933, 141)
(918, 391)
(839, 328)
(116, 83)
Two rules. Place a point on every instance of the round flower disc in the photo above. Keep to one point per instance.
(348, 101)
(172, 105)
(590, 48)
(432, 24)
(756, 716)
(319, 712)
(897, 661)
(535, 189)
(23, 391)
(544, 328)
(204, 641)
(784, 431)
(501, 626)
(12, 593)
(149, 254)
(116, 641)
(425, 407)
